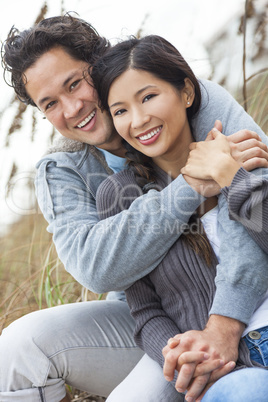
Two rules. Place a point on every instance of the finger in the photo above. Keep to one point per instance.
(193, 145)
(172, 343)
(213, 134)
(192, 357)
(165, 350)
(214, 377)
(226, 369)
(254, 153)
(243, 135)
(178, 336)
(218, 125)
(170, 364)
(187, 363)
(255, 163)
(249, 144)
(197, 387)
(208, 367)
(209, 136)
(201, 396)
(185, 376)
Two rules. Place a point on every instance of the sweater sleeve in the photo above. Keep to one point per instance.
(247, 198)
(95, 251)
(153, 327)
(242, 274)
(240, 284)
(219, 104)
(148, 227)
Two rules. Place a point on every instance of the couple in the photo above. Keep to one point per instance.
(90, 345)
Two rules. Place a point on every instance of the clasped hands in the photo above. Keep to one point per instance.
(202, 357)
(213, 163)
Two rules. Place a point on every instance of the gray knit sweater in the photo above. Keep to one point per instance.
(247, 199)
(178, 294)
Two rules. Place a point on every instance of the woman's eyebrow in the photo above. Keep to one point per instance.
(136, 94)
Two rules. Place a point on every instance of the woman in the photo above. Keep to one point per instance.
(152, 96)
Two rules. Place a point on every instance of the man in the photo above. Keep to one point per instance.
(89, 345)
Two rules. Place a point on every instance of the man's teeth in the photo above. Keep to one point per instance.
(150, 135)
(87, 119)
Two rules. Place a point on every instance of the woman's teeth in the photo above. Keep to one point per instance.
(150, 135)
(87, 119)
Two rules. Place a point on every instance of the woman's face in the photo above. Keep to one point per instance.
(150, 113)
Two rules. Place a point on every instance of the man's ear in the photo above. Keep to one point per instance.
(188, 92)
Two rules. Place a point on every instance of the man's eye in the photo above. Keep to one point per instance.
(49, 105)
(75, 83)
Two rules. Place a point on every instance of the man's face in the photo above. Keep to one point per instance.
(61, 88)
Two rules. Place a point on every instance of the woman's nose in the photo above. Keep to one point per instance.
(139, 118)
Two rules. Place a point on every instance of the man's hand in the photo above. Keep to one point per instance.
(196, 372)
(248, 149)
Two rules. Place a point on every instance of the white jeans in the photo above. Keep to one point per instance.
(145, 383)
(87, 345)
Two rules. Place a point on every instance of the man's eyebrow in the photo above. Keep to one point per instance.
(65, 82)
(136, 94)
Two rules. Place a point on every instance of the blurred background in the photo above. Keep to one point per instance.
(226, 42)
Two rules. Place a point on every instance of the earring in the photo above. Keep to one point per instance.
(188, 103)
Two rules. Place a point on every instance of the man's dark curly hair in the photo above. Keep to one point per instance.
(22, 49)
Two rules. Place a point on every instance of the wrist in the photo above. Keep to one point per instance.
(229, 327)
(227, 168)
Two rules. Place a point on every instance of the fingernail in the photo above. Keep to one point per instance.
(232, 364)
(189, 399)
(180, 390)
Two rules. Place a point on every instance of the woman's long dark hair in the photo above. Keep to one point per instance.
(157, 56)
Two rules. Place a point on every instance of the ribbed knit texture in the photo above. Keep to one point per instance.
(178, 294)
(247, 199)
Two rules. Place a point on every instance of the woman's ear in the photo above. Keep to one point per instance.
(188, 92)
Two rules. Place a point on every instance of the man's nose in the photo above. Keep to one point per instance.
(71, 107)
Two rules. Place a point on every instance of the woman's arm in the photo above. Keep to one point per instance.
(153, 327)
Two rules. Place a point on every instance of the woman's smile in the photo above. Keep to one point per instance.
(150, 137)
(150, 114)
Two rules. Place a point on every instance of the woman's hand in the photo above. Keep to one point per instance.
(212, 160)
(202, 357)
(219, 158)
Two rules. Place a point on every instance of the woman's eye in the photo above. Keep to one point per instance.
(148, 97)
(119, 112)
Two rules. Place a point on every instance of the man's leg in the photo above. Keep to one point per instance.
(244, 385)
(145, 383)
(87, 345)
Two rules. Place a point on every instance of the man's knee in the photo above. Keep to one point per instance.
(245, 385)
